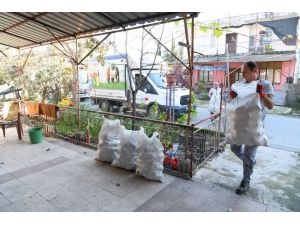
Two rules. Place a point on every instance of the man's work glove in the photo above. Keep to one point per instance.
(232, 94)
(260, 90)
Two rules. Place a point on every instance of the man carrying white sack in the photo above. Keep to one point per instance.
(247, 152)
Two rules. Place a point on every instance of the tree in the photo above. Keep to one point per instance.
(45, 74)
(83, 48)
(175, 67)
(136, 83)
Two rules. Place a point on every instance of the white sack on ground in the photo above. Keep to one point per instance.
(126, 155)
(245, 125)
(109, 140)
(150, 158)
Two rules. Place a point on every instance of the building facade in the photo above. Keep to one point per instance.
(270, 39)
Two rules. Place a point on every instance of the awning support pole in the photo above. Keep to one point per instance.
(166, 48)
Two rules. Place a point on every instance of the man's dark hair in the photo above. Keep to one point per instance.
(251, 65)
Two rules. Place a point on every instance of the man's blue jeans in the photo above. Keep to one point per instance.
(247, 155)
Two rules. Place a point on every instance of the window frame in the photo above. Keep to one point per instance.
(267, 67)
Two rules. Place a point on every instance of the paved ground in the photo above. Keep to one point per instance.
(59, 176)
(282, 131)
(275, 181)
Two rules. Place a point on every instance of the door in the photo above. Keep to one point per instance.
(231, 40)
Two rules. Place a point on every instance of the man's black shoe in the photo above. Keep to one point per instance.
(243, 188)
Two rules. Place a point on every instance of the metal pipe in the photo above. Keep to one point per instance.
(166, 48)
(186, 38)
(41, 23)
(87, 34)
(227, 65)
(78, 88)
(191, 57)
(25, 62)
(60, 43)
(206, 118)
(94, 48)
(9, 46)
(64, 53)
(17, 36)
(191, 151)
(22, 22)
(129, 116)
(3, 53)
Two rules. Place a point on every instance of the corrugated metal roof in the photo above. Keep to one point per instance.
(18, 29)
(244, 58)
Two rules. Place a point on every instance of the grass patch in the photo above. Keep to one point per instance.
(120, 85)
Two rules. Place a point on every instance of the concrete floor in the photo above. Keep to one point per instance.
(275, 180)
(59, 176)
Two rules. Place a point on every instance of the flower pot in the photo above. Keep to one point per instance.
(171, 80)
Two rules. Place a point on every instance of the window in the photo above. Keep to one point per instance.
(270, 74)
(261, 39)
(210, 76)
(270, 71)
(251, 40)
(201, 76)
(231, 40)
(206, 76)
(238, 75)
(262, 74)
(277, 76)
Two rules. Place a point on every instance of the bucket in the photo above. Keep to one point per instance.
(35, 135)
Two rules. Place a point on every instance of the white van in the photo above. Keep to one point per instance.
(113, 90)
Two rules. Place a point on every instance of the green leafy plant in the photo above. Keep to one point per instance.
(217, 30)
(182, 119)
(163, 116)
(268, 48)
(153, 111)
(142, 106)
(201, 86)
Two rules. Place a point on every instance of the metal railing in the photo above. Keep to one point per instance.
(209, 138)
(186, 147)
(237, 20)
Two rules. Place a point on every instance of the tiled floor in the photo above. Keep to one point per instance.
(59, 176)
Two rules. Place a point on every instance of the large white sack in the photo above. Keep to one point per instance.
(150, 158)
(245, 125)
(126, 155)
(109, 140)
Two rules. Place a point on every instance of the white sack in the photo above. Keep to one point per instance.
(245, 125)
(109, 140)
(126, 155)
(150, 158)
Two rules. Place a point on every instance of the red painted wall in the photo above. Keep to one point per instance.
(286, 70)
(219, 76)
